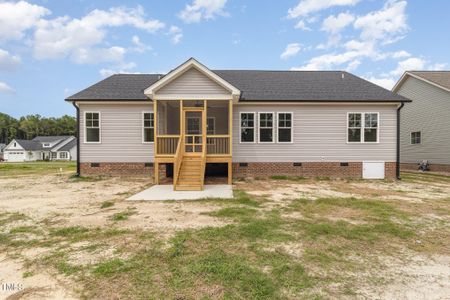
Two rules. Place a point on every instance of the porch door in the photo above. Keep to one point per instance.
(193, 133)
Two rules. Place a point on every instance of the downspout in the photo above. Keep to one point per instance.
(78, 138)
(398, 141)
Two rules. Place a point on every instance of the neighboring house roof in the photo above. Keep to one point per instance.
(325, 86)
(69, 145)
(30, 145)
(440, 79)
(50, 139)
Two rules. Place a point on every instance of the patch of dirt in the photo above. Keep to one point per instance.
(421, 278)
(37, 286)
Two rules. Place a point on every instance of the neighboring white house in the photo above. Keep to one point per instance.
(2, 146)
(41, 148)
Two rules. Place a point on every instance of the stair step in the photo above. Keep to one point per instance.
(181, 187)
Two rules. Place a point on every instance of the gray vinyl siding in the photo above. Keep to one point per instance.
(121, 134)
(320, 134)
(193, 83)
(429, 113)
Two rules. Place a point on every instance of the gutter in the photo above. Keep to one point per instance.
(78, 138)
(398, 141)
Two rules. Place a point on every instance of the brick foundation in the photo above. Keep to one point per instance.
(433, 167)
(120, 169)
(307, 169)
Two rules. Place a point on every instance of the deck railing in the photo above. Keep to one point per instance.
(218, 144)
(167, 144)
(177, 162)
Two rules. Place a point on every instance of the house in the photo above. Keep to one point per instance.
(253, 123)
(426, 121)
(41, 148)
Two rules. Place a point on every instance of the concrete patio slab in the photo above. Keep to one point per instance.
(166, 192)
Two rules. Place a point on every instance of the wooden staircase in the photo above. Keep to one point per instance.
(191, 174)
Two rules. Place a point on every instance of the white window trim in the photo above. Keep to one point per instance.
(363, 120)
(292, 126)
(46, 145)
(273, 127)
(63, 152)
(255, 127)
(142, 124)
(214, 121)
(410, 138)
(99, 127)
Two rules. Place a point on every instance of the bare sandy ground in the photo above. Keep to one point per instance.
(68, 202)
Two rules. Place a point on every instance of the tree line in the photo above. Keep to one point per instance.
(28, 127)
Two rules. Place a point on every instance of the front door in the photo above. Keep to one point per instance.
(193, 140)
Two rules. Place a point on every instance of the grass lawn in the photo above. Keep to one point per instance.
(36, 168)
(300, 247)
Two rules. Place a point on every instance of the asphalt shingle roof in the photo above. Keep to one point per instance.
(441, 78)
(68, 146)
(324, 86)
(30, 145)
(50, 139)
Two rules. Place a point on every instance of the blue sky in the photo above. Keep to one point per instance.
(50, 49)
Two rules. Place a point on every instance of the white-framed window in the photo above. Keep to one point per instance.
(247, 127)
(53, 155)
(285, 127)
(363, 127)
(210, 125)
(92, 133)
(148, 127)
(416, 138)
(266, 127)
(63, 155)
(46, 145)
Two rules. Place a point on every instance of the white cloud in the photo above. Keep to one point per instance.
(401, 54)
(4, 88)
(176, 34)
(410, 64)
(17, 17)
(386, 25)
(81, 39)
(387, 83)
(329, 61)
(119, 69)
(290, 51)
(438, 67)
(334, 24)
(202, 10)
(306, 7)
(139, 46)
(301, 25)
(8, 62)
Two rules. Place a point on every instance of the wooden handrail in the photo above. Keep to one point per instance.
(177, 161)
(217, 136)
(167, 135)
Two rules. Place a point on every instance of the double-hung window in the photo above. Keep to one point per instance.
(148, 126)
(416, 138)
(247, 123)
(284, 127)
(63, 155)
(266, 127)
(362, 128)
(92, 127)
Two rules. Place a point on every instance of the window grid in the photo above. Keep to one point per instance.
(362, 127)
(266, 127)
(92, 127)
(416, 138)
(148, 127)
(284, 125)
(247, 124)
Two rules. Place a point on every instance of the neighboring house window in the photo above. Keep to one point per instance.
(148, 127)
(53, 155)
(247, 127)
(416, 138)
(211, 125)
(266, 127)
(15, 145)
(46, 145)
(362, 127)
(92, 130)
(63, 155)
(284, 127)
